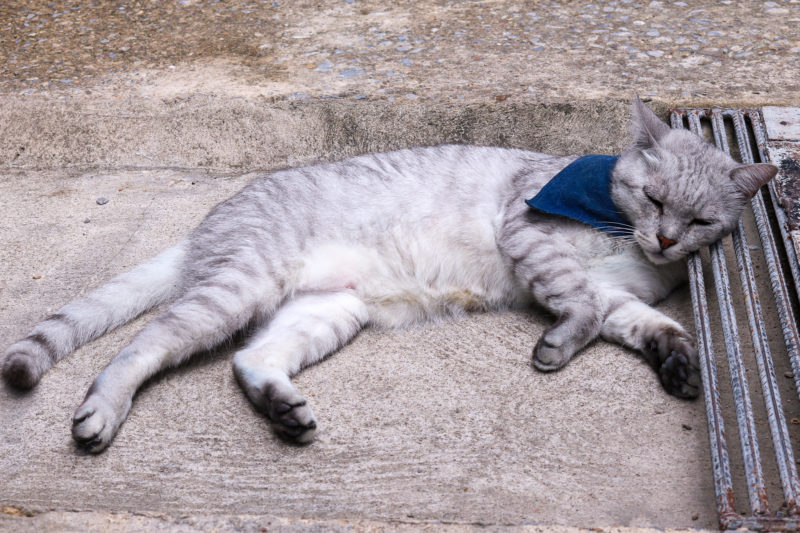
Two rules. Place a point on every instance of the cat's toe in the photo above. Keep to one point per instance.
(94, 424)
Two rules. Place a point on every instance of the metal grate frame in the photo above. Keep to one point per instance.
(751, 142)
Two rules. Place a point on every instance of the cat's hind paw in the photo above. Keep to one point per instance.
(673, 355)
(290, 415)
(95, 423)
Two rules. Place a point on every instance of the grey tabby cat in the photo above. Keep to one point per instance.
(308, 257)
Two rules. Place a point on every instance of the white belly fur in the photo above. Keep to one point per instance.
(414, 277)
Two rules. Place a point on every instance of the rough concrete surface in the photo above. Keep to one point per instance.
(405, 50)
(166, 108)
(68, 522)
(202, 132)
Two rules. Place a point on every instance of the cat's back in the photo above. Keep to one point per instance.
(359, 197)
(421, 177)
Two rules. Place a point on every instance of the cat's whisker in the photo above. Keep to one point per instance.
(623, 238)
(618, 225)
(617, 230)
(623, 231)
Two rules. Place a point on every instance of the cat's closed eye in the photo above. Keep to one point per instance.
(655, 202)
(701, 222)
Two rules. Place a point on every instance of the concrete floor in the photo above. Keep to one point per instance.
(405, 50)
(442, 424)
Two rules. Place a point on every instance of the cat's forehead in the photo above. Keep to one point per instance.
(685, 146)
(685, 156)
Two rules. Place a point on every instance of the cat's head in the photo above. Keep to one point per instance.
(679, 192)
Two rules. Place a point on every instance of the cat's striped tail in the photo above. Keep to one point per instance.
(83, 320)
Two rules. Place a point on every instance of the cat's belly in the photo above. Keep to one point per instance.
(413, 282)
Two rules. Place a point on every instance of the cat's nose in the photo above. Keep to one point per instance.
(665, 242)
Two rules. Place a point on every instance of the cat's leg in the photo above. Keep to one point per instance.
(555, 277)
(82, 320)
(666, 346)
(302, 332)
(202, 318)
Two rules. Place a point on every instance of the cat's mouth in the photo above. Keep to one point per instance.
(655, 254)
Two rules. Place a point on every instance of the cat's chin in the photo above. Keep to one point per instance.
(660, 259)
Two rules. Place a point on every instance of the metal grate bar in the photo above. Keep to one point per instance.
(759, 132)
(757, 492)
(778, 283)
(785, 518)
(708, 370)
(723, 484)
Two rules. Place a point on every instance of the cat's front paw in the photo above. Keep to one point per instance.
(548, 356)
(572, 331)
(289, 414)
(96, 422)
(673, 355)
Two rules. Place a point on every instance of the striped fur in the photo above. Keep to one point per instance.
(310, 256)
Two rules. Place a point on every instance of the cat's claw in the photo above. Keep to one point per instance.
(95, 423)
(674, 357)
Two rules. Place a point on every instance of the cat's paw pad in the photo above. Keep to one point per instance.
(679, 376)
(95, 423)
(549, 355)
(674, 357)
(291, 417)
(20, 370)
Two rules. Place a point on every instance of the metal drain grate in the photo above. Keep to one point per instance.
(742, 133)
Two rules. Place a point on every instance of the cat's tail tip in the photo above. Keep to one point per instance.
(20, 371)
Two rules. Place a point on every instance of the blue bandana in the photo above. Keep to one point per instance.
(582, 192)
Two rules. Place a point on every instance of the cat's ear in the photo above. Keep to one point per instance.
(646, 127)
(750, 178)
